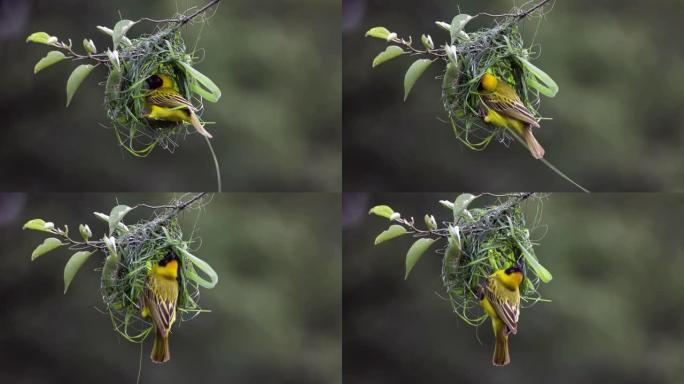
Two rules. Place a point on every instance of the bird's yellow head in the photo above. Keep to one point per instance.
(167, 267)
(489, 82)
(510, 277)
(159, 81)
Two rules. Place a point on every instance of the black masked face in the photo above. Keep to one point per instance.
(169, 256)
(154, 82)
(513, 270)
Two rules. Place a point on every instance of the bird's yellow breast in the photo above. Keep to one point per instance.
(170, 270)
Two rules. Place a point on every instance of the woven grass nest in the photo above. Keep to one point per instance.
(492, 238)
(131, 252)
(501, 51)
(163, 52)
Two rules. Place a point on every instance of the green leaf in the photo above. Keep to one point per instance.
(532, 262)
(206, 88)
(120, 30)
(415, 252)
(538, 79)
(75, 80)
(413, 73)
(41, 38)
(457, 25)
(116, 215)
(388, 54)
(39, 225)
(461, 204)
(51, 58)
(378, 32)
(48, 245)
(382, 211)
(110, 269)
(443, 25)
(73, 265)
(125, 40)
(202, 266)
(392, 232)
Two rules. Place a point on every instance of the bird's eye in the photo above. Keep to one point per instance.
(154, 82)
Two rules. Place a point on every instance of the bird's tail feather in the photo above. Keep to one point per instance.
(534, 146)
(501, 356)
(198, 126)
(160, 349)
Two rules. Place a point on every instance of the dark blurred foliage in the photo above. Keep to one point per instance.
(616, 121)
(275, 313)
(616, 312)
(277, 125)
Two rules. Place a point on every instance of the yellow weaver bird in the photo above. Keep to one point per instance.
(159, 302)
(163, 102)
(500, 298)
(504, 109)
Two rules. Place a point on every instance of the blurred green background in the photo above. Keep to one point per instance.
(275, 313)
(277, 125)
(616, 312)
(617, 120)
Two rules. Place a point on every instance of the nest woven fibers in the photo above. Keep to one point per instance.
(137, 248)
(492, 238)
(501, 51)
(163, 52)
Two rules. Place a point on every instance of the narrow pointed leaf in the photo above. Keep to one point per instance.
(52, 57)
(388, 54)
(203, 86)
(413, 73)
(415, 252)
(48, 245)
(73, 265)
(204, 267)
(75, 80)
(392, 232)
(538, 79)
(532, 262)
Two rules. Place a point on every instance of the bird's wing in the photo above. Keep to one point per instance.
(169, 99)
(163, 310)
(509, 104)
(507, 309)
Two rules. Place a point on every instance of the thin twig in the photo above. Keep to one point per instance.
(444, 232)
(172, 210)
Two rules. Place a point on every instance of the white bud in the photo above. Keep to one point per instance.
(391, 36)
(114, 58)
(451, 53)
(455, 232)
(394, 216)
(89, 46)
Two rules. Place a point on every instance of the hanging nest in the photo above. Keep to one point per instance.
(163, 52)
(492, 238)
(138, 248)
(501, 51)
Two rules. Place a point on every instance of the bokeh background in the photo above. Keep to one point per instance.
(616, 124)
(275, 312)
(616, 312)
(277, 125)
